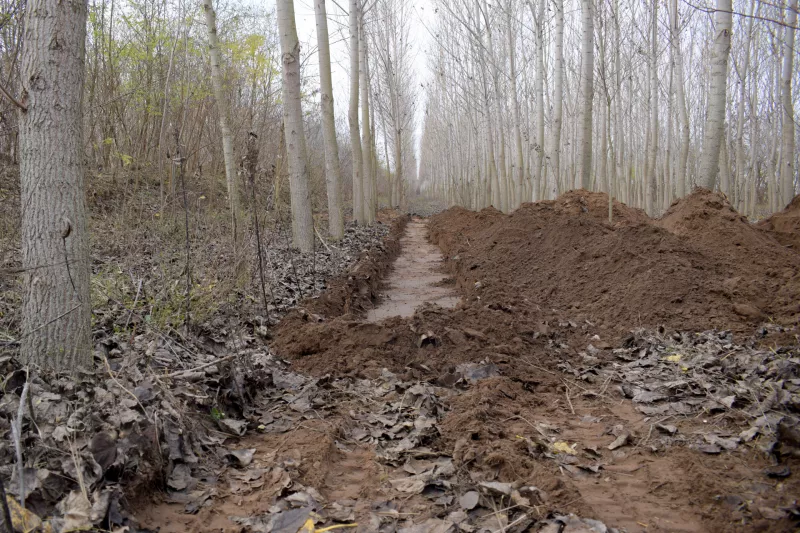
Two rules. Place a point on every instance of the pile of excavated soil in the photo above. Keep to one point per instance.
(701, 266)
(548, 292)
(527, 359)
(549, 277)
(785, 226)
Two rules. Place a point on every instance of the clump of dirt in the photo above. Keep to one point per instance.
(484, 429)
(785, 226)
(701, 266)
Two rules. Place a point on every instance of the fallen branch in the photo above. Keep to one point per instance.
(135, 301)
(325, 244)
(566, 393)
(178, 373)
(121, 386)
(12, 99)
(538, 367)
(16, 430)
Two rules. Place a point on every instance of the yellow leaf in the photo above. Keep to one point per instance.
(674, 358)
(309, 527)
(24, 521)
(563, 447)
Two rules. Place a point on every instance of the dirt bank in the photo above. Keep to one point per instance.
(701, 266)
(522, 409)
(551, 295)
(785, 225)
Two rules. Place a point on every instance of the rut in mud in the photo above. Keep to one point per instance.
(416, 277)
(561, 393)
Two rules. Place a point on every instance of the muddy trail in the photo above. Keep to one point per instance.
(581, 376)
(416, 278)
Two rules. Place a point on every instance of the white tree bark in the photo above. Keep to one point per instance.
(715, 119)
(740, 188)
(787, 105)
(683, 112)
(724, 164)
(366, 139)
(587, 93)
(332, 168)
(56, 307)
(652, 152)
(538, 91)
(302, 221)
(224, 119)
(558, 95)
(502, 179)
(355, 132)
(519, 168)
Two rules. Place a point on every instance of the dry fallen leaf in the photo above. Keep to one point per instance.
(563, 447)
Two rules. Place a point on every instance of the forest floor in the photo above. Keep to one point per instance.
(553, 371)
(639, 375)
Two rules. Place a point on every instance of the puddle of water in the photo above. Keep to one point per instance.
(416, 277)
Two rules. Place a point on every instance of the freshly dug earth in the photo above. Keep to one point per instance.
(700, 266)
(532, 400)
(785, 226)
(552, 289)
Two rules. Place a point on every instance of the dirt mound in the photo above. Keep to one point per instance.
(758, 274)
(527, 368)
(701, 266)
(785, 226)
(594, 205)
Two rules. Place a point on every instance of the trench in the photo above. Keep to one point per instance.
(417, 277)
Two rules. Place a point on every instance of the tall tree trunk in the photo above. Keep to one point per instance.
(587, 92)
(740, 189)
(224, 120)
(332, 169)
(302, 221)
(787, 104)
(538, 90)
(355, 132)
(558, 95)
(366, 141)
(724, 165)
(619, 170)
(752, 200)
(667, 197)
(502, 189)
(715, 119)
(56, 307)
(683, 112)
(652, 152)
(519, 164)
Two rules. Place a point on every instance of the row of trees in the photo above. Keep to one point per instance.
(142, 87)
(640, 99)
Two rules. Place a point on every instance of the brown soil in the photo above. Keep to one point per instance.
(539, 286)
(701, 266)
(785, 226)
(415, 278)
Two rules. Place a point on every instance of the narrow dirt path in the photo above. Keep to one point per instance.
(417, 277)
